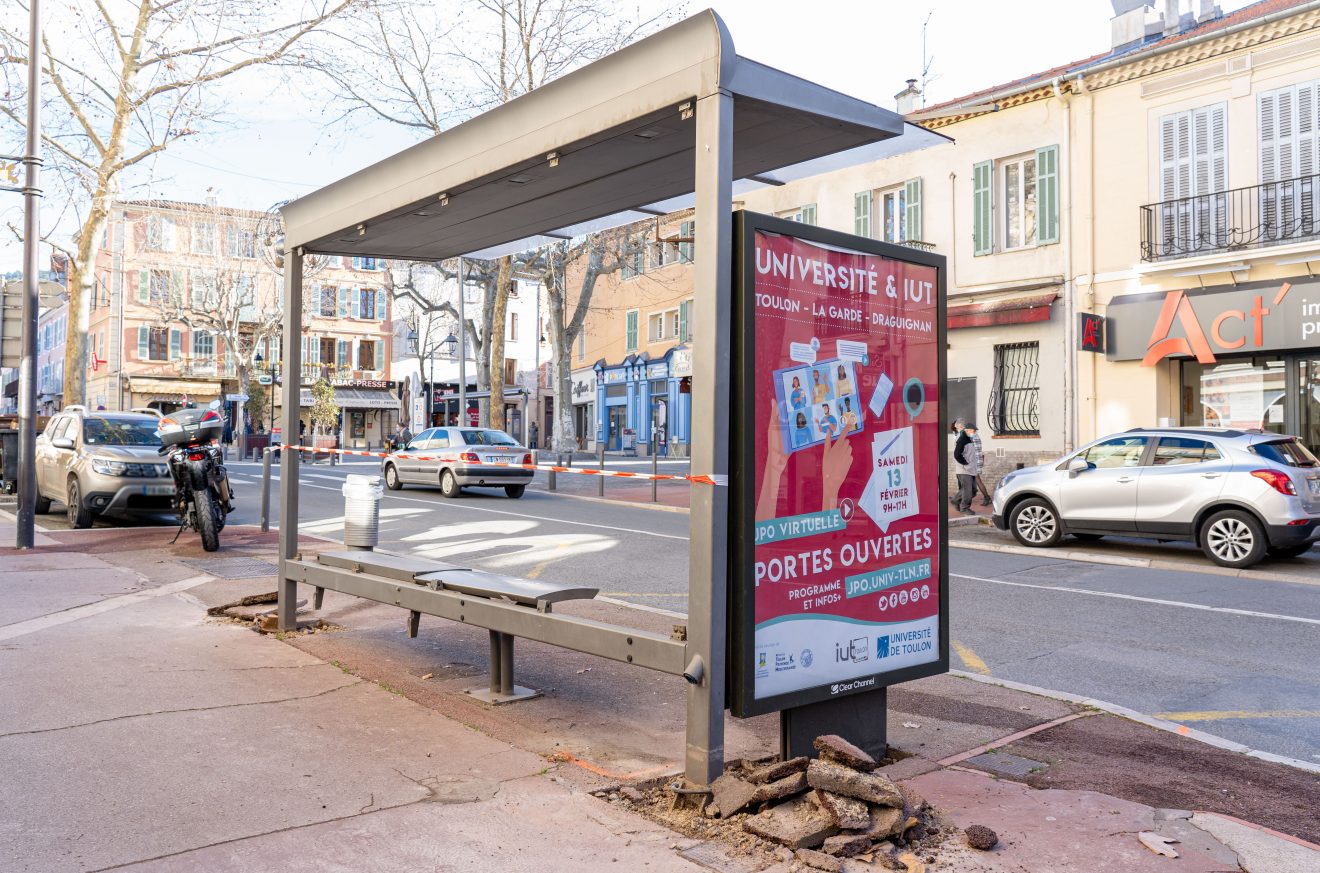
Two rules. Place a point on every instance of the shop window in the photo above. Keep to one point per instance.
(1014, 408)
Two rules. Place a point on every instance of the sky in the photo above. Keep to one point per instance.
(277, 144)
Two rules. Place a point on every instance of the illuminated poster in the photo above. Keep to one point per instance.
(839, 586)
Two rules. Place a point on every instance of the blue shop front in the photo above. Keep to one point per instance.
(645, 397)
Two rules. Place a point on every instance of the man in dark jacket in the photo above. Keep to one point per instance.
(967, 457)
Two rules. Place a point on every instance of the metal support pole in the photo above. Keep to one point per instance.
(496, 650)
(293, 304)
(600, 463)
(462, 348)
(26, 535)
(506, 664)
(550, 477)
(265, 489)
(655, 467)
(711, 411)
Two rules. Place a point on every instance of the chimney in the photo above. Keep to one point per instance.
(1133, 22)
(906, 100)
(1172, 16)
(1207, 10)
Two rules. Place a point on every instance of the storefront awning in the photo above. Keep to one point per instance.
(1022, 309)
(171, 389)
(357, 398)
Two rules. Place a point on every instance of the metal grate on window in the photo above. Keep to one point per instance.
(1014, 408)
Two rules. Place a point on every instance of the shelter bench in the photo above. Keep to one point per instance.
(506, 606)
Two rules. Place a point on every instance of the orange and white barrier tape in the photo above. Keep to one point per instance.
(713, 479)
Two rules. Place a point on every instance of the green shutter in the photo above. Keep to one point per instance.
(632, 330)
(341, 299)
(809, 213)
(685, 248)
(341, 353)
(982, 235)
(142, 344)
(862, 213)
(912, 205)
(355, 302)
(684, 312)
(144, 286)
(1047, 195)
(380, 307)
(176, 344)
(380, 354)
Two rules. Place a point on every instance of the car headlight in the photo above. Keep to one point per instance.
(1009, 477)
(107, 467)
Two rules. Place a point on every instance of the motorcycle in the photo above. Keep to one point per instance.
(202, 496)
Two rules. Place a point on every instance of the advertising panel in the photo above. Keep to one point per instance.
(839, 561)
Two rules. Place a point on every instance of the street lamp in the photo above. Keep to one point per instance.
(411, 338)
(451, 344)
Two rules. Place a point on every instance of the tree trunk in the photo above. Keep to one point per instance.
(82, 287)
(240, 414)
(495, 343)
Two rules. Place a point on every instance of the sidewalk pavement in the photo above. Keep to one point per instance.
(137, 734)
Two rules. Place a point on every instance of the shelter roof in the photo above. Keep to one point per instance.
(606, 145)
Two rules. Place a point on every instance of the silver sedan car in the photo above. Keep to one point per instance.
(455, 458)
(1239, 495)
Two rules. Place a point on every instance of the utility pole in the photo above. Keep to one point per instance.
(27, 384)
(462, 347)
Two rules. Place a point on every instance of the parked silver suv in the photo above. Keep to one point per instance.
(99, 463)
(1237, 494)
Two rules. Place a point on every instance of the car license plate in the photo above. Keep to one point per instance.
(494, 459)
(1314, 484)
(157, 490)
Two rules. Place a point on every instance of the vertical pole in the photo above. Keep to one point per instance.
(506, 664)
(462, 348)
(655, 464)
(265, 489)
(496, 651)
(711, 413)
(600, 464)
(26, 536)
(293, 304)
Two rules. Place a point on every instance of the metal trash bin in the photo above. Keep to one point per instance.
(362, 511)
(8, 461)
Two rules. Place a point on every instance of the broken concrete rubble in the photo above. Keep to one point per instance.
(848, 812)
(835, 748)
(838, 779)
(777, 770)
(781, 788)
(732, 794)
(798, 824)
(846, 845)
(819, 860)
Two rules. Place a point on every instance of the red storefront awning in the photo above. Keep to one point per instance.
(1014, 310)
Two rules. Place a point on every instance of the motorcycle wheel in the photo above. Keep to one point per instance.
(205, 515)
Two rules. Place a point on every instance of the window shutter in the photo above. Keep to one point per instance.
(341, 353)
(684, 313)
(912, 206)
(176, 344)
(862, 213)
(982, 238)
(632, 330)
(1047, 195)
(809, 213)
(1267, 113)
(355, 302)
(380, 355)
(685, 248)
(341, 300)
(144, 286)
(142, 343)
(380, 307)
(1308, 149)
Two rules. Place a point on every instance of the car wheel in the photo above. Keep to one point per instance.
(1233, 538)
(392, 478)
(515, 491)
(1290, 551)
(1035, 523)
(1089, 537)
(79, 515)
(42, 505)
(449, 484)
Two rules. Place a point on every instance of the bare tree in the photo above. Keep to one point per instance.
(504, 48)
(128, 80)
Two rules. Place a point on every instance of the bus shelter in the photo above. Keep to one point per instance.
(676, 120)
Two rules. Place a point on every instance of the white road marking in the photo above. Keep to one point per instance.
(1152, 600)
(32, 625)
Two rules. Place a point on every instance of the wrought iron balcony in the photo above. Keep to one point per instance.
(1271, 214)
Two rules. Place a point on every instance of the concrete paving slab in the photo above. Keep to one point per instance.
(1055, 830)
(1258, 851)
(26, 594)
(532, 825)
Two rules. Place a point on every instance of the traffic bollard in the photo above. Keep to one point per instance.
(265, 490)
(654, 469)
(550, 477)
(600, 460)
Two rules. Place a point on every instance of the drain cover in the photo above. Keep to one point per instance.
(233, 568)
(1009, 765)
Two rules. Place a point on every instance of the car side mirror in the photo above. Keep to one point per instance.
(62, 443)
(1077, 465)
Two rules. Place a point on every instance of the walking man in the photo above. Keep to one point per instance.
(967, 456)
